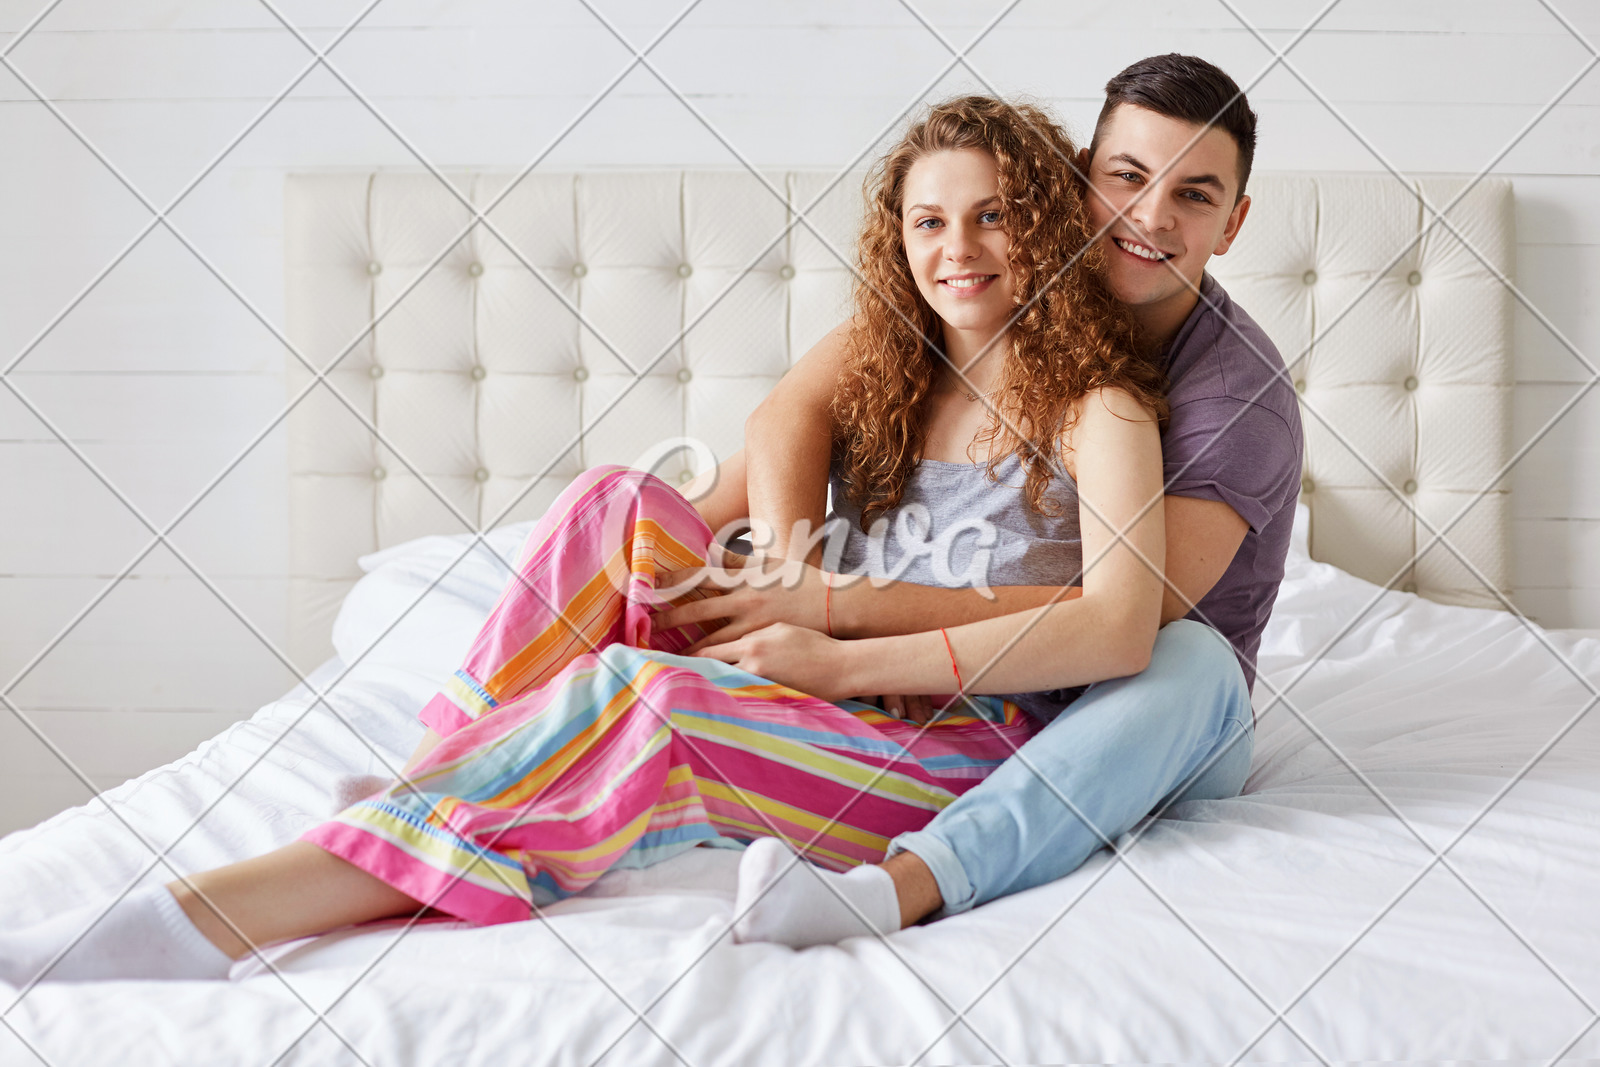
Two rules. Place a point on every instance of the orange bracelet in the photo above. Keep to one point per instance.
(960, 686)
(827, 606)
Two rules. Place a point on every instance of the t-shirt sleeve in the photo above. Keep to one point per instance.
(1234, 451)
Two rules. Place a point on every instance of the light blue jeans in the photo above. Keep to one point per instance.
(1181, 729)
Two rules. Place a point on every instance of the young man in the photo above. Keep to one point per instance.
(1166, 174)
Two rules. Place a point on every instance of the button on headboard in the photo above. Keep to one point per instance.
(483, 380)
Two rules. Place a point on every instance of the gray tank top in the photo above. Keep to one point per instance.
(955, 528)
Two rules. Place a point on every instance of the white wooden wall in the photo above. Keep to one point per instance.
(162, 377)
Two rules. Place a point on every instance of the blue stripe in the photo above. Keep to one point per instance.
(821, 738)
(479, 691)
(429, 829)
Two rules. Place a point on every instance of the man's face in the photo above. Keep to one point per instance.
(1177, 204)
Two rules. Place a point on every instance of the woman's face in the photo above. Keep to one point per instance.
(954, 241)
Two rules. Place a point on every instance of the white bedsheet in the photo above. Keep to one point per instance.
(1437, 707)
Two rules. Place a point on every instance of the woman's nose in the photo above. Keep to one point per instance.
(960, 245)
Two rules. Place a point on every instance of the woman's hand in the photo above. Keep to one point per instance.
(790, 655)
(755, 592)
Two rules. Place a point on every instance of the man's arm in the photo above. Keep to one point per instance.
(1202, 537)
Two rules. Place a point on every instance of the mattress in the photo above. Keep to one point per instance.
(1410, 874)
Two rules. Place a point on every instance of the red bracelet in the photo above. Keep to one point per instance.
(960, 686)
(827, 605)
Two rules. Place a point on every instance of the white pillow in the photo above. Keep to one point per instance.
(417, 628)
(1300, 539)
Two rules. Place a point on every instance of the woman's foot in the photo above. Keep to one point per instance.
(145, 935)
(791, 902)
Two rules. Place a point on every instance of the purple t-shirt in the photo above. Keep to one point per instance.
(1234, 436)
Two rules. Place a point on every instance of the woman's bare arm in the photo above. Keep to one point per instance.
(788, 441)
(1108, 632)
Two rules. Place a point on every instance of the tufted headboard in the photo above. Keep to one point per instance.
(705, 287)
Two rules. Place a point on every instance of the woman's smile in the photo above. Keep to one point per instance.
(957, 246)
(967, 285)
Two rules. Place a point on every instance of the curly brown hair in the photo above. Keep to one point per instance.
(1070, 336)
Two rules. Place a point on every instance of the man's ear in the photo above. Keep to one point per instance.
(1083, 163)
(1231, 230)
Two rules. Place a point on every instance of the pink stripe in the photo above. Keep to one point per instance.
(400, 869)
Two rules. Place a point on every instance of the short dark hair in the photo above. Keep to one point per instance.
(1189, 89)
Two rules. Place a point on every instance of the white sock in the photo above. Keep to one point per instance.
(798, 910)
(147, 935)
(353, 787)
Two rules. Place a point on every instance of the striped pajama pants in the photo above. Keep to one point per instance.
(577, 739)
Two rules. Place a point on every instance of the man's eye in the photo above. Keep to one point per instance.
(1197, 196)
(1129, 176)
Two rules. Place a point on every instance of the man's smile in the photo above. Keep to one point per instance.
(1142, 251)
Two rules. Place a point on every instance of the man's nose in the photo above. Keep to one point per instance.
(1150, 211)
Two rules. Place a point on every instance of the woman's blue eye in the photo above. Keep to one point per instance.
(992, 216)
(923, 224)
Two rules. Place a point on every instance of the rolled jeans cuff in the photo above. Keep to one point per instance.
(954, 886)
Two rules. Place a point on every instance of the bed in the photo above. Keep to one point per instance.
(1408, 876)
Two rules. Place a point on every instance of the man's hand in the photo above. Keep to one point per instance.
(918, 709)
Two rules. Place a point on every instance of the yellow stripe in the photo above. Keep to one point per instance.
(618, 842)
(789, 813)
(617, 707)
(816, 761)
(751, 829)
(441, 854)
(591, 611)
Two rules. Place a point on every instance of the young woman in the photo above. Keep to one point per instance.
(587, 729)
